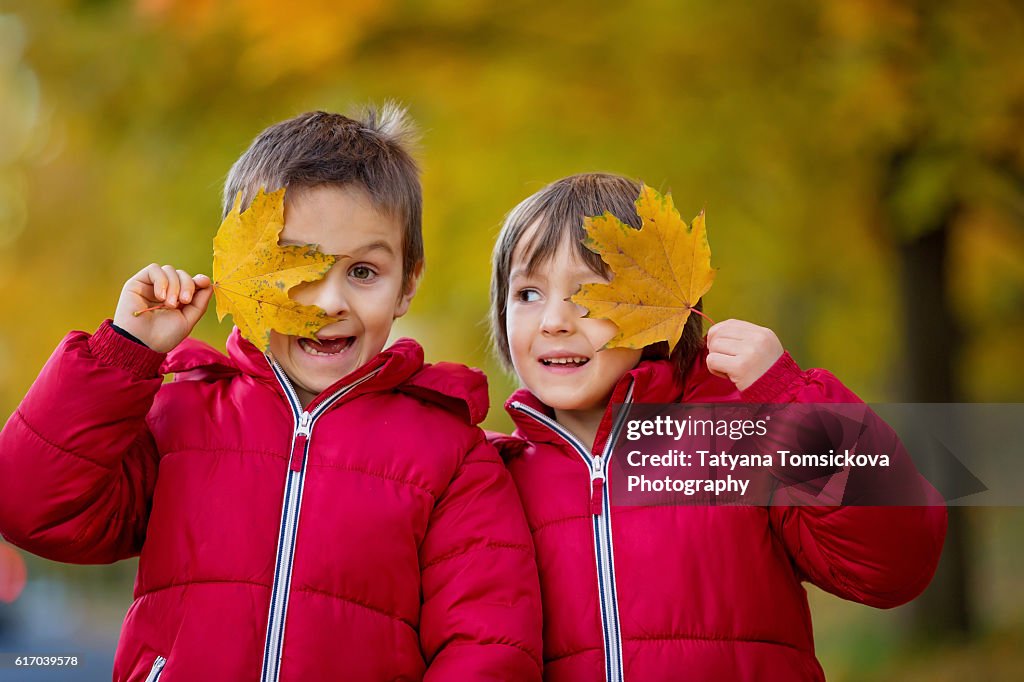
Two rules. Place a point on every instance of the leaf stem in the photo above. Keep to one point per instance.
(706, 317)
(146, 310)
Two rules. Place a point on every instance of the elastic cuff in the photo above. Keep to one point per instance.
(774, 382)
(114, 349)
(128, 335)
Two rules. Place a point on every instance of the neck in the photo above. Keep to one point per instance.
(581, 423)
(305, 397)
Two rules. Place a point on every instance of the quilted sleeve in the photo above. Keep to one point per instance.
(481, 616)
(882, 556)
(77, 461)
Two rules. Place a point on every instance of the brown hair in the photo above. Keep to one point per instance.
(320, 148)
(559, 210)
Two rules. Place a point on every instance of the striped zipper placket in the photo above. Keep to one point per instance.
(291, 506)
(600, 508)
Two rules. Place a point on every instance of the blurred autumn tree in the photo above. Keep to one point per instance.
(942, 153)
(860, 162)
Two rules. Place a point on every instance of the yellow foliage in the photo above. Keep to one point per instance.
(659, 272)
(252, 273)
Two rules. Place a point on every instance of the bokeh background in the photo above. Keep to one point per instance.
(861, 164)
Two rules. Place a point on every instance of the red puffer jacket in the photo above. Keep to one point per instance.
(698, 593)
(374, 536)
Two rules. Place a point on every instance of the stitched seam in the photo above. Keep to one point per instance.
(620, 510)
(490, 545)
(171, 586)
(231, 451)
(20, 415)
(699, 638)
(267, 587)
(570, 654)
(513, 645)
(556, 522)
(374, 609)
(278, 455)
(374, 474)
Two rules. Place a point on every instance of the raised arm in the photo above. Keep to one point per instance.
(77, 461)
(882, 556)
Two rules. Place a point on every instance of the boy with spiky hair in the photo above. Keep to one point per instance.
(328, 509)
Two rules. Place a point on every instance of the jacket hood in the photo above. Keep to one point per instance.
(509, 447)
(459, 389)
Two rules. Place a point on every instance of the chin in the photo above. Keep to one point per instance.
(568, 403)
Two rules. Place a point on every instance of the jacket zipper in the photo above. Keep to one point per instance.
(291, 506)
(600, 509)
(157, 670)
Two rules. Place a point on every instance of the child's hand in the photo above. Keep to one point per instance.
(184, 300)
(741, 351)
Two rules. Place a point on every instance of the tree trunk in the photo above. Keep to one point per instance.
(932, 344)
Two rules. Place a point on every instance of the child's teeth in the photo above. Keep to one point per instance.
(310, 348)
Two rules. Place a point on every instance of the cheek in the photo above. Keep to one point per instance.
(598, 331)
(376, 308)
(621, 360)
(517, 333)
(278, 344)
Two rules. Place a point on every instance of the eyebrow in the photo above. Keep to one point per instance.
(379, 245)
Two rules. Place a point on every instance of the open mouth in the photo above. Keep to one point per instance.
(574, 361)
(326, 347)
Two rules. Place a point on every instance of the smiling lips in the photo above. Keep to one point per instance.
(326, 347)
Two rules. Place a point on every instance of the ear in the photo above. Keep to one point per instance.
(402, 307)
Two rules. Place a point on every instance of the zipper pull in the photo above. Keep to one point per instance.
(302, 432)
(157, 669)
(597, 486)
(305, 419)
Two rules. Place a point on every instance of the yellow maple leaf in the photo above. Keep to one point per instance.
(659, 272)
(252, 273)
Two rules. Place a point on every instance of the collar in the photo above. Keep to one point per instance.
(653, 381)
(457, 388)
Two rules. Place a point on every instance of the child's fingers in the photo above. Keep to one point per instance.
(161, 282)
(729, 329)
(200, 301)
(173, 286)
(185, 286)
(202, 281)
(141, 289)
(153, 275)
(727, 346)
(722, 365)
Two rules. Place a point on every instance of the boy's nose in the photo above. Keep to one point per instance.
(559, 317)
(324, 293)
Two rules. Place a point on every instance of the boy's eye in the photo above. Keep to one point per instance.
(362, 272)
(528, 295)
